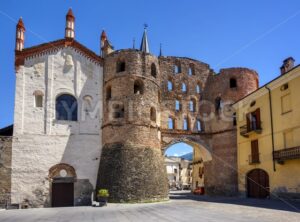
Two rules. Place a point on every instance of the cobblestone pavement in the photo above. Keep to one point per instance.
(181, 207)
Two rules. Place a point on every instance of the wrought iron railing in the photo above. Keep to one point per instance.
(287, 154)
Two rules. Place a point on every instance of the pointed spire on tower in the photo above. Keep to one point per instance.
(70, 23)
(144, 44)
(20, 30)
(160, 50)
(106, 46)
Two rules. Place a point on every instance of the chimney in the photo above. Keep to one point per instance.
(288, 64)
(20, 30)
(70, 20)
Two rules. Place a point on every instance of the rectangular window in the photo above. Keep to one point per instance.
(254, 152)
(177, 105)
(38, 101)
(288, 139)
(286, 103)
(253, 121)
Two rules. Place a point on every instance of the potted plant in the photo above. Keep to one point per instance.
(103, 195)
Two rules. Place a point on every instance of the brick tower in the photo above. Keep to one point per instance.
(131, 161)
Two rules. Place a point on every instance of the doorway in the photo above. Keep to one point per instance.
(258, 183)
(62, 194)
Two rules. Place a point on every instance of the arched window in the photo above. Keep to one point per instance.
(170, 85)
(171, 123)
(191, 70)
(185, 124)
(138, 87)
(183, 87)
(38, 98)
(108, 93)
(153, 70)
(177, 105)
(120, 66)
(198, 89)
(66, 108)
(193, 105)
(233, 83)
(177, 68)
(199, 125)
(153, 114)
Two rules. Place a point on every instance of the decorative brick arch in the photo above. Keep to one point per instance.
(54, 171)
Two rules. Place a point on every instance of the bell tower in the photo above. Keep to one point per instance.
(70, 22)
(20, 30)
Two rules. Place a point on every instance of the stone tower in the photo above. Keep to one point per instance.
(131, 161)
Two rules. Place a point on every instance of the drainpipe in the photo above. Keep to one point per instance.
(272, 127)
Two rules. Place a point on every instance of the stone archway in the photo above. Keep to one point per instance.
(62, 177)
(201, 156)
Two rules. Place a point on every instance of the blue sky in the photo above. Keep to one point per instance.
(257, 34)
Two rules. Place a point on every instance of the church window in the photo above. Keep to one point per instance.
(66, 108)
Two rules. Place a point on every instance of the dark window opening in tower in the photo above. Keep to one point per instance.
(198, 89)
(153, 70)
(193, 105)
(233, 83)
(118, 111)
(183, 87)
(234, 119)
(177, 105)
(171, 123)
(108, 93)
(66, 108)
(185, 124)
(38, 97)
(177, 68)
(199, 125)
(191, 70)
(153, 114)
(121, 66)
(170, 86)
(138, 87)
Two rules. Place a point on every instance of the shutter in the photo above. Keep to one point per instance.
(257, 114)
(248, 122)
(254, 151)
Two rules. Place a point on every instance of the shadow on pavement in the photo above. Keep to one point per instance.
(275, 204)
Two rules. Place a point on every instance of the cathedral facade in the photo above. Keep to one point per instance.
(85, 121)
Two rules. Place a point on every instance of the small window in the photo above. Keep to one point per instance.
(171, 123)
(177, 68)
(252, 103)
(177, 105)
(170, 86)
(66, 108)
(38, 101)
(199, 125)
(191, 70)
(153, 114)
(192, 105)
(138, 87)
(183, 87)
(198, 89)
(185, 124)
(153, 70)
(121, 66)
(118, 110)
(108, 93)
(284, 87)
(233, 83)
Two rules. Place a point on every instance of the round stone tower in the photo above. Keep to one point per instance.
(131, 165)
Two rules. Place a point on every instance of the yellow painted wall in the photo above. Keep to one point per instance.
(287, 176)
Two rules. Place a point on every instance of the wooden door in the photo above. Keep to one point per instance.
(258, 184)
(62, 194)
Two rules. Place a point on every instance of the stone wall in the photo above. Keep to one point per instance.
(5, 165)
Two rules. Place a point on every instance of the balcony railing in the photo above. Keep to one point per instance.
(254, 159)
(287, 154)
(245, 130)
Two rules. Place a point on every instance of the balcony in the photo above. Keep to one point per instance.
(245, 130)
(287, 154)
(254, 159)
